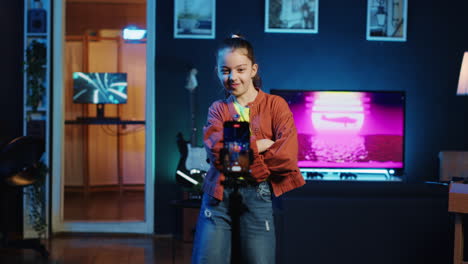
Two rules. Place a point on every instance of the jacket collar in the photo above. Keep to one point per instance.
(257, 99)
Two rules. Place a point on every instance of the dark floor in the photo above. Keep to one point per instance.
(88, 249)
(97, 249)
(104, 206)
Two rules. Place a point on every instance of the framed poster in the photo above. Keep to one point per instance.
(194, 19)
(386, 20)
(291, 16)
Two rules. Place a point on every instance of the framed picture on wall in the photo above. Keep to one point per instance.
(386, 20)
(194, 19)
(291, 16)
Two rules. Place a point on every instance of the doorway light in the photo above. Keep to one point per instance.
(133, 33)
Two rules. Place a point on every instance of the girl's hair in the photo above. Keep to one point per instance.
(237, 41)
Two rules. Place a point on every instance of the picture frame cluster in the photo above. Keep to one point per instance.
(386, 19)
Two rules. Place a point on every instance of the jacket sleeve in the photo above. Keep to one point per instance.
(213, 134)
(281, 157)
(258, 168)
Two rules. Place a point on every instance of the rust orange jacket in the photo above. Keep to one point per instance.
(270, 118)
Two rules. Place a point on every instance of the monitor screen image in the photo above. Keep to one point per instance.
(99, 88)
(348, 129)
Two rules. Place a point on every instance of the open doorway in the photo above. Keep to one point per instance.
(104, 155)
(107, 124)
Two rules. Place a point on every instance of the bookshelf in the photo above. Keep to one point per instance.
(36, 85)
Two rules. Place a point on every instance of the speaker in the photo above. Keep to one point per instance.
(37, 20)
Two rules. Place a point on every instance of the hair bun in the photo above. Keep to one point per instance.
(236, 36)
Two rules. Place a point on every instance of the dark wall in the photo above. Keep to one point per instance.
(339, 57)
(11, 102)
(11, 19)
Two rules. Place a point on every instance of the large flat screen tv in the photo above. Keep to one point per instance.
(348, 129)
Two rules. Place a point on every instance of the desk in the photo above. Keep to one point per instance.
(190, 209)
(105, 121)
(85, 122)
(458, 204)
(186, 203)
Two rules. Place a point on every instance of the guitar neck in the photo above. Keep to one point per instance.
(191, 84)
(193, 121)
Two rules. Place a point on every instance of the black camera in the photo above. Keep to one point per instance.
(236, 155)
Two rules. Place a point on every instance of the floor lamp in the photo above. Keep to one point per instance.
(459, 192)
(463, 81)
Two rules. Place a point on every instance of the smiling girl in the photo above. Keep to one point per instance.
(273, 170)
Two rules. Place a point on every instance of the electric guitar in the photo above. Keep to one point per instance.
(193, 158)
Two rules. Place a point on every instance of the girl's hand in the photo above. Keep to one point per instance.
(264, 144)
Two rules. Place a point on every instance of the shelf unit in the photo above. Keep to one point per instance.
(37, 122)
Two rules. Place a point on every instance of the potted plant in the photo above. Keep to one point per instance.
(35, 70)
(36, 195)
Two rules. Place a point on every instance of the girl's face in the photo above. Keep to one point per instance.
(235, 71)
